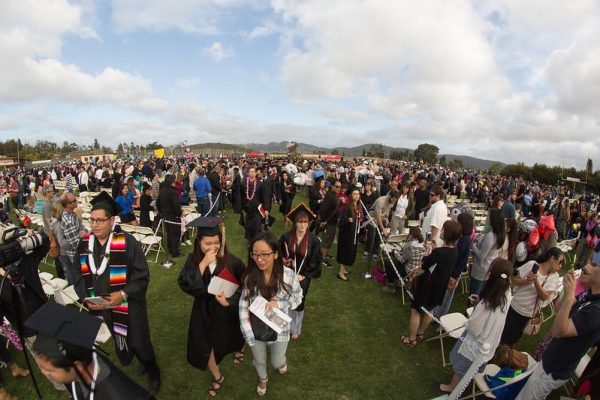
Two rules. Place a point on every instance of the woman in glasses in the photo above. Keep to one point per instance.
(301, 251)
(267, 277)
(214, 329)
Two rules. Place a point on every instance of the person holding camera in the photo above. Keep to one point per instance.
(535, 286)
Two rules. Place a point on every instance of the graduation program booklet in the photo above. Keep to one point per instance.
(97, 300)
(224, 282)
(276, 318)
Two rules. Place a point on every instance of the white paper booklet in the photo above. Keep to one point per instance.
(224, 282)
(276, 319)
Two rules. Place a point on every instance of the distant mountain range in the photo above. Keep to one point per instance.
(280, 147)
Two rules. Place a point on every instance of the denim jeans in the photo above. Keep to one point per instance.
(67, 265)
(259, 357)
(203, 206)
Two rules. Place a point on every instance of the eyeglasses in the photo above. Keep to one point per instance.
(98, 220)
(261, 256)
(431, 194)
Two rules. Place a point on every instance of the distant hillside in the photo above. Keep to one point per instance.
(280, 147)
(472, 162)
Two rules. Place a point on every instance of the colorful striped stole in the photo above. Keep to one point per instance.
(117, 264)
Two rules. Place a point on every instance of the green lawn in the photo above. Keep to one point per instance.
(350, 347)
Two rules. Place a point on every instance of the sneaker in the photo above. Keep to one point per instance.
(326, 263)
(366, 255)
(188, 242)
(167, 264)
(375, 257)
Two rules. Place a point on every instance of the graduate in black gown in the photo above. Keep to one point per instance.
(348, 228)
(64, 350)
(214, 329)
(301, 250)
(117, 271)
(286, 190)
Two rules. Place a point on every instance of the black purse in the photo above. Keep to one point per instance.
(262, 331)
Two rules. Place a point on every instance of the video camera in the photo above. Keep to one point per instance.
(15, 244)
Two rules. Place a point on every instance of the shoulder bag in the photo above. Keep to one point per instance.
(534, 324)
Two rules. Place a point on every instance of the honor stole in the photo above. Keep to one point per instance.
(117, 280)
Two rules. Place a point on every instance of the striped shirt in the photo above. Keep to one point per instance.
(285, 302)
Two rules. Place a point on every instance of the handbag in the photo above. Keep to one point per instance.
(506, 356)
(509, 392)
(262, 331)
(532, 327)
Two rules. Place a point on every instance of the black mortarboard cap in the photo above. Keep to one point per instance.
(58, 324)
(206, 226)
(300, 209)
(104, 201)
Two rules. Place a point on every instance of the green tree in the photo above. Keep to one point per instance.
(427, 153)
(443, 160)
(396, 155)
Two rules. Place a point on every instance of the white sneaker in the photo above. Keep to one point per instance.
(167, 264)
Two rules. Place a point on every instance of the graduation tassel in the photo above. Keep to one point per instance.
(222, 250)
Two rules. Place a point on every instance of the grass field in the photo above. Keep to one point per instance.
(350, 347)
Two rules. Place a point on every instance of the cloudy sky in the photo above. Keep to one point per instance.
(506, 80)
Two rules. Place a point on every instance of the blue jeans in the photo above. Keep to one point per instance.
(476, 286)
(203, 206)
(68, 267)
(259, 357)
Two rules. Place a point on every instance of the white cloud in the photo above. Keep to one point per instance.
(31, 39)
(218, 52)
(195, 16)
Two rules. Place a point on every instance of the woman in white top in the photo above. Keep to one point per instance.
(402, 209)
(485, 324)
(532, 290)
(487, 249)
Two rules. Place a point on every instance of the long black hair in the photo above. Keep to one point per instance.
(254, 280)
(552, 252)
(494, 291)
(498, 226)
(198, 255)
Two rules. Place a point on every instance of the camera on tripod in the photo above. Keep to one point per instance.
(15, 243)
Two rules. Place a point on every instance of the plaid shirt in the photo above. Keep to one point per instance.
(71, 227)
(285, 303)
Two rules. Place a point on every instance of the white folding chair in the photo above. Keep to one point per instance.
(480, 383)
(103, 334)
(150, 240)
(67, 296)
(452, 325)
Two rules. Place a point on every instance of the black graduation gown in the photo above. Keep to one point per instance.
(236, 194)
(116, 386)
(310, 268)
(138, 277)
(145, 209)
(286, 197)
(346, 250)
(212, 327)
(432, 286)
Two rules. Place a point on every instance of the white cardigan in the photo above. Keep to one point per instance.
(484, 326)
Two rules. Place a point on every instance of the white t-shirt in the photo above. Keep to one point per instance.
(436, 216)
(401, 207)
(524, 297)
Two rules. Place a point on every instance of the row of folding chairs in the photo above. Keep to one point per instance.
(65, 294)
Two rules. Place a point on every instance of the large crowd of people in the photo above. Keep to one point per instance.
(512, 260)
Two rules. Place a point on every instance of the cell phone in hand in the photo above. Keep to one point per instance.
(535, 268)
(428, 236)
